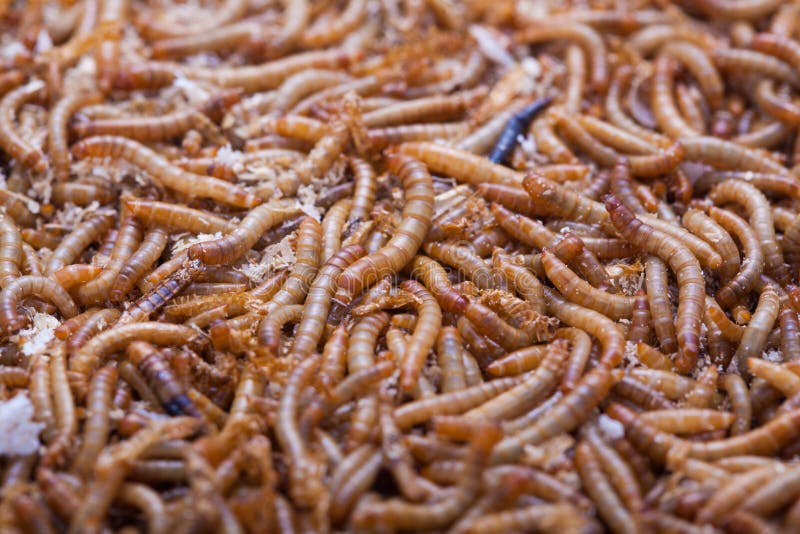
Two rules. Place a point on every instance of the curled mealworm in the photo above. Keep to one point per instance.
(58, 150)
(664, 108)
(417, 214)
(752, 263)
(757, 207)
(27, 286)
(569, 284)
(91, 355)
(687, 269)
(231, 247)
(585, 36)
(21, 149)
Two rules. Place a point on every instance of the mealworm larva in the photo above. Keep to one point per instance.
(427, 109)
(755, 335)
(757, 207)
(92, 354)
(28, 286)
(351, 478)
(456, 402)
(618, 471)
(588, 39)
(10, 251)
(726, 500)
(17, 207)
(653, 358)
(550, 144)
(575, 61)
(642, 395)
(790, 333)
(688, 420)
(424, 336)
(618, 117)
(81, 194)
(779, 46)
(766, 65)
(163, 171)
(294, 290)
(269, 329)
(691, 285)
(702, 395)
(317, 304)
(528, 393)
(700, 224)
(126, 243)
(435, 279)
(250, 79)
(554, 199)
(739, 397)
(98, 320)
(113, 465)
(15, 377)
(12, 142)
(220, 38)
(649, 165)
(615, 136)
(231, 247)
(401, 248)
(698, 62)
(57, 143)
(355, 385)
(662, 103)
(76, 274)
(158, 296)
(64, 407)
(777, 376)
(151, 129)
(159, 377)
(763, 441)
(76, 241)
(639, 331)
(460, 164)
(98, 420)
(365, 187)
(752, 263)
(412, 486)
(449, 352)
(332, 225)
(39, 390)
(569, 284)
(518, 362)
(463, 259)
(145, 256)
(521, 280)
(773, 494)
(724, 154)
(608, 503)
(178, 217)
(304, 473)
(403, 515)
(770, 103)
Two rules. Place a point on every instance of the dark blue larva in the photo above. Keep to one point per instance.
(516, 126)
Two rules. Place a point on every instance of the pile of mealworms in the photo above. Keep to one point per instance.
(399, 265)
